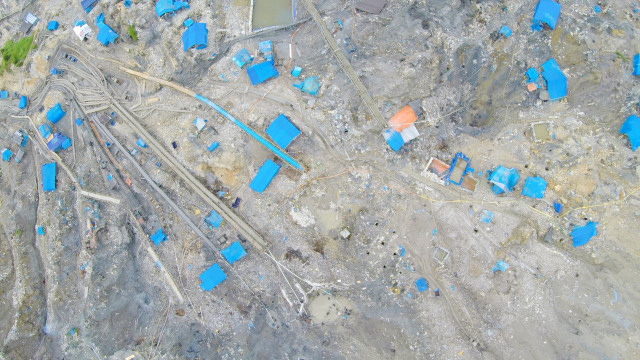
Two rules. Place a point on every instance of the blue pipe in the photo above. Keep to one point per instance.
(253, 134)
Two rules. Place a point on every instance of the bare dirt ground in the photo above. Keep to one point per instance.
(89, 287)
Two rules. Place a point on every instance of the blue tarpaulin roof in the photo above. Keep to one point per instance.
(195, 34)
(393, 138)
(422, 285)
(6, 154)
(556, 81)
(45, 131)
(23, 102)
(106, 35)
(49, 177)
(264, 176)
(503, 179)
(636, 64)
(581, 235)
(547, 12)
(170, 6)
(242, 57)
(282, 131)
(259, 73)
(53, 25)
(631, 128)
(158, 237)
(212, 277)
(58, 142)
(532, 75)
(88, 5)
(234, 252)
(534, 187)
(55, 113)
(213, 219)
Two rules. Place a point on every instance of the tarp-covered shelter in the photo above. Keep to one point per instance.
(503, 179)
(393, 139)
(49, 177)
(259, 73)
(242, 58)
(6, 154)
(45, 131)
(158, 237)
(631, 128)
(556, 81)
(195, 35)
(233, 253)
(53, 25)
(264, 176)
(106, 35)
(547, 12)
(282, 131)
(170, 6)
(88, 5)
(55, 113)
(58, 142)
(23, 102)
(214, 219)
(212, 277)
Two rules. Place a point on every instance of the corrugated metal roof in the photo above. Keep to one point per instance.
(371, 6)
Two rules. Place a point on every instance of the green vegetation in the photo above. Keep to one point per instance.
(15, 52)
(622, 57)
(18, 232)
(133, 34)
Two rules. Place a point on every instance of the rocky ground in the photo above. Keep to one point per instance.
(79, 293)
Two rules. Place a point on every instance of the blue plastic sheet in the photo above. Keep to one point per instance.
(212, 277)
(422, 285)
(581, 235)
(636, 64)
(158, 237)
(393, 138)
(259, 73)
(264, 176)
(242, 58)
(505, 30)
(631, 128)
(556, 81)
(233, 253)
(500, 266)
(547, 12)
(534, 187)
(503, 179)
(282, 131)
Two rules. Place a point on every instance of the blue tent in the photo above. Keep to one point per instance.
(581, 235)
(88, 5)
(282, 131)
(556, 81)
(310, 85)
(264, 176)
(534, 187)
(393, 138)
(259, 73)
(212, 277)
(45, 131)
(213, 219)
(106, 35)
(636, 64)
(53, 25)
(23, 102)
(242, 58)
(49, 177)
(547, 12)
(195, 35)
(503, 179)
(6, 154)
(55, 113)
(170, 6)
(631, 128)
(158, 237)
(234, 252)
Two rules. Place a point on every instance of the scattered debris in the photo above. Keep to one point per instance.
(500, 266)
(371, 6)
(29, 21)
(581, 235)
(200, 123)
